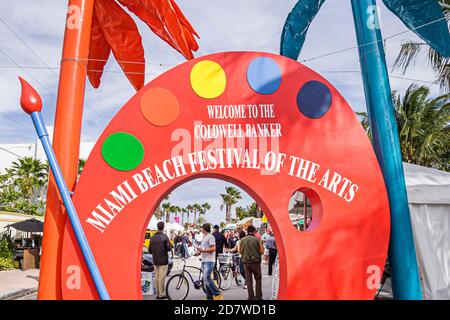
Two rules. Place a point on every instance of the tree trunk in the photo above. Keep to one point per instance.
(158, 213)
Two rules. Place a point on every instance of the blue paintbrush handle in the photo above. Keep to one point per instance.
(67, 200)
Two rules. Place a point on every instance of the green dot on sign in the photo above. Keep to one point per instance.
(122, 151)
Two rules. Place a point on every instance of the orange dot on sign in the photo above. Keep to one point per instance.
(160, 107)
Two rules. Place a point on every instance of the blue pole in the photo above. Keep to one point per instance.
(71, 212)
(402, 254)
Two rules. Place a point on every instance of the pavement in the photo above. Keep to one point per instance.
(235, 292)
(16, 283)
(22, 285)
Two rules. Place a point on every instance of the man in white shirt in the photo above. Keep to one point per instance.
(207, 249)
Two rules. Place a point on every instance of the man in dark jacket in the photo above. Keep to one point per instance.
(159, 248)
(220, 242)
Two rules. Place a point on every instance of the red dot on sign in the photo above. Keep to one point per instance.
(160, 107)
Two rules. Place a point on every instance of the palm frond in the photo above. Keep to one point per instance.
(410, 50)
(408, 53)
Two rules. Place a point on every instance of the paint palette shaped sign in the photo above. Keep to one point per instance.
(263, 122)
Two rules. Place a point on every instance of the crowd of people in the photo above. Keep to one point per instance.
(251, 247)
(254, 247)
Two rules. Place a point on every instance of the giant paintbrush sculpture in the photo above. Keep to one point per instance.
(31, 103)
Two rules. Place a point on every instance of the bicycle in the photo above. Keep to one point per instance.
(177, 288)
(230, 270)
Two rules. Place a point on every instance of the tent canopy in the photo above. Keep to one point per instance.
(30, 225)
(174, 226)
(429, 204)
(245, 221)
(152, 225)
(427, 185)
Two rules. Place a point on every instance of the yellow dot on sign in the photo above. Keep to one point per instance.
(208, 79)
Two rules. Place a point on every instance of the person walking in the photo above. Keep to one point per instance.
(271, 246)
(231, 240)
(177, 244)
(264, 238)
(185, 246)
(251, 249)
(159, 248)
(207, 249)
(220, 242)
(198, 238)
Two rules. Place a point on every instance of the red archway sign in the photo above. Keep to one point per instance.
(264, 122)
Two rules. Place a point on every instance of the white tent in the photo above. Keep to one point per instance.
(174, 227)
(230, 226)
(152, 225)
(429, 203)
(169, 227)
(244, 221)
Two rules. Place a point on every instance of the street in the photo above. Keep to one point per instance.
(234, 293)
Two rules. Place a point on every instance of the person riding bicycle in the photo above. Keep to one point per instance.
(207, 249)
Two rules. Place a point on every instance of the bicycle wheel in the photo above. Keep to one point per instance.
(226, 275)
(177, 287)
(215, 276)
(239, 279)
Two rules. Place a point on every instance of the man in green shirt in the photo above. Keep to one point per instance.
(251, 250)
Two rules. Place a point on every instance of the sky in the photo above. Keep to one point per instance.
(226, 25)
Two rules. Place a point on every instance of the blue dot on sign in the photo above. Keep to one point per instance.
(264, 75)
(314, 99)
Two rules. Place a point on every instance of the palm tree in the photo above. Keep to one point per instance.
(197, 210)
(175, 210)
(205, 207)
(160, 210)
(183, 210)
(423, 127)
(201, 221)
(410, 50)
(114, 30)
(229, 198)
(29, 175)
(253, 210)
(158, 213)
(189, 210)
(241, 213)
(81, 163)
(166, 210)
(364, 120)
